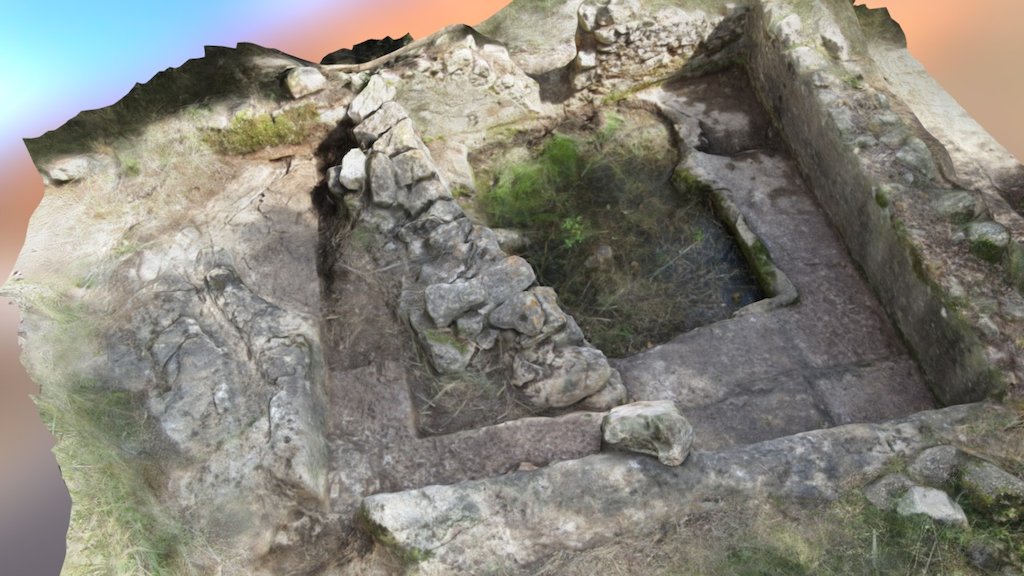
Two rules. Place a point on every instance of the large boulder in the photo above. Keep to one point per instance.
(552, 376)
(376, 92)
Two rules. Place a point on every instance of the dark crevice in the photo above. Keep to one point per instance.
(331, 215)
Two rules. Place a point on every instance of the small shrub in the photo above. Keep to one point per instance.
(251, 132)
(575, 230)
(130, 167)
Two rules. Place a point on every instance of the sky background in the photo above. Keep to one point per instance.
(79, 55)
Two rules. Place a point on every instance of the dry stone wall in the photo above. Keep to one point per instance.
(618, 42)
(463, 296)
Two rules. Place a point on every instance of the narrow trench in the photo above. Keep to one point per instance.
(832, 358)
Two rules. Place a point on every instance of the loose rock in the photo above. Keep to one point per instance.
(351, 175)
(303, 81)
(561, 376)
(933, 503)
(446, 302)
(652, 427)
(68, 169)
(988, 240)
(522, 313)
(959, 207)
(510, 276)
(936, 466)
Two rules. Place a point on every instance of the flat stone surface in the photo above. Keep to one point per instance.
(833, 358)
(933, 503)
(870, 393)
(469, 527)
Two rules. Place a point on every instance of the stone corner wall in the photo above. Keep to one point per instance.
(807, 94)
(466, 300)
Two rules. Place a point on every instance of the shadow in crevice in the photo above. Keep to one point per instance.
(332, 215)
(555, 84)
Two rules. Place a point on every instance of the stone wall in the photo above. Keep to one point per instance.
(812, 105)
(466, 300)
(618, 43)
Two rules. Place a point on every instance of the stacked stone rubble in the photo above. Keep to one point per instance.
(466, 300)
(615, 41)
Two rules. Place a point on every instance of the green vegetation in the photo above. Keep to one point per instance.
(401, 556)
(102, 444)
(130, 167)
(630, 244)
(574, 231)
(997, 521)
(251, 132)
(115, 524)
(447, 338)
(855, 81)
(882, 197)
(847, 536)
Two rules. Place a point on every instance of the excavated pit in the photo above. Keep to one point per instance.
(633, 247)
(743, 362)
(625, 212)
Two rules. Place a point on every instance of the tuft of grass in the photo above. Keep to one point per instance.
(526, 194)
(130, 167)
(613, 186)
(786, 538)
(116, 527)
(104, 445)
(452, 402)
(251, 132)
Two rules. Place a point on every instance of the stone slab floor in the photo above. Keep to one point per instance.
(833, 357)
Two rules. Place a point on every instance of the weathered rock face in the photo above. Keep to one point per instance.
(592, 501)
(284, 319)
(620, 42)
